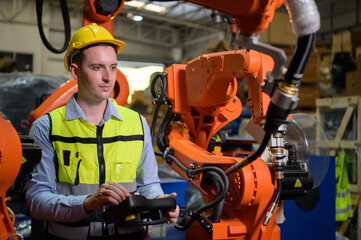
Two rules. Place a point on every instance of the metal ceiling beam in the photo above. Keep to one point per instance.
(171, 8)
(171, 20)
(143, 40)
(190, 12)
(144, 32)
(201, 39)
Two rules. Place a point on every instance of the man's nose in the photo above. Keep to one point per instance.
(107, 75)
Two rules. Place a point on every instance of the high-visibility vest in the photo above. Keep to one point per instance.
(87, 156)
(343, 196)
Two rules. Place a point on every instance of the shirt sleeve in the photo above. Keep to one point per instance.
(42, 198)
(147, 173)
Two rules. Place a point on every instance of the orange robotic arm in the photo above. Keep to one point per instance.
(203, 91)
(203, 94)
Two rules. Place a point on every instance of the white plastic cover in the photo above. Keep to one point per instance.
(304, 16)
(311, 145)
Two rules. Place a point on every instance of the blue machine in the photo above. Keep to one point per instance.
(318, 223)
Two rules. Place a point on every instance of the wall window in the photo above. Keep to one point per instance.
(20, 62)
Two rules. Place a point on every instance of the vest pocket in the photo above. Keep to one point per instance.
(122, 172)
(69, 166)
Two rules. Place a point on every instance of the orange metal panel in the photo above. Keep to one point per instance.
(251, 16)
(10, 162)
(90, 15)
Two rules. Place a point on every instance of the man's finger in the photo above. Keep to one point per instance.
(173, 215)
(172, 195)
(117, 189)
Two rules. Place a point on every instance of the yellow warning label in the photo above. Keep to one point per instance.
(298, 183)
(129, 217)
(218, 139)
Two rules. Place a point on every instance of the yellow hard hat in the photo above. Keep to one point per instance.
(88, 35)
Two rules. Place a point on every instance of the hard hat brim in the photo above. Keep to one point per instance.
(119, 45)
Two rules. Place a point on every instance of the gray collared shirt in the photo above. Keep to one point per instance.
(43, 201)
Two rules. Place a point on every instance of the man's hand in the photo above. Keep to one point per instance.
(108, 193)
(172, 215)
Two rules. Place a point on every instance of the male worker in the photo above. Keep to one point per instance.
(95, 153)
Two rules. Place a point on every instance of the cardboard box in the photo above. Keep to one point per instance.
(312, 70)
(308, 94)
(358, 57)
(264, 36)
(346, 42)
(137, 97)
(279, 31)
(211, 46)
(326, 60)
(358, 52)
(337, 43)
(350, 41)
(217, 46)
(353, 83)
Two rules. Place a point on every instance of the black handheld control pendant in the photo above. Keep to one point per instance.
(137, 210)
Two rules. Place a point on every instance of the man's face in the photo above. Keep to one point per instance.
(96, 73)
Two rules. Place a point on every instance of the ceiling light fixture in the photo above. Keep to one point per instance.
(150, 7)
(135, 4)
(137, 18)
(155, 8)
(134, 17)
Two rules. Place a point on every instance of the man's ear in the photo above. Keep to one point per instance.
(74, 70)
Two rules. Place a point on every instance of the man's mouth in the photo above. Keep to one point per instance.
(106, 87)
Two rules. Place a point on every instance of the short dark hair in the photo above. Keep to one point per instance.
(78, 57)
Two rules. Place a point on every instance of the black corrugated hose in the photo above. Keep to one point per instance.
(216, 202)
(168, 117)
(214, 178)
(157, 97)
(66, 20)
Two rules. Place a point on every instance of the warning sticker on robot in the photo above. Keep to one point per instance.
(298, 183)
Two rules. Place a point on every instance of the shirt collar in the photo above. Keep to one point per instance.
(73, 111)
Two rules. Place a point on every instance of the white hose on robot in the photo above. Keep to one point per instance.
(304, 16)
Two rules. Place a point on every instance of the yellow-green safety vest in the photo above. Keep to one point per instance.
(87, 156)
(343, 196)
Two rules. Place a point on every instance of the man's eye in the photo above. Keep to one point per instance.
(113, 68)
(96, 68)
